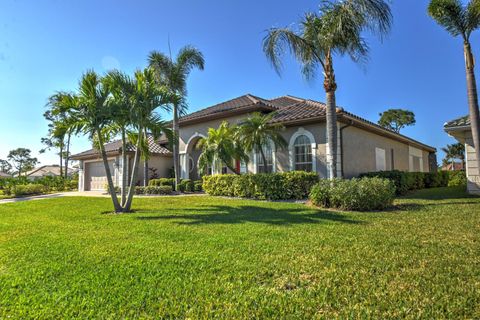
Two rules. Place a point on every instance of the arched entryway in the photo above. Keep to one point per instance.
(193, 153)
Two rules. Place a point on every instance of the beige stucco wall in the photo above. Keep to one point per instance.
(473, 175)
(161, 163)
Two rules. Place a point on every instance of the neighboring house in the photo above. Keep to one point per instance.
(5, 175)
(455, 166)
(47, 171)
(461, 131)
(363, 146)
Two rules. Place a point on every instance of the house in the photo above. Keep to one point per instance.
(5, 175)
(363, 146)
(47, 171)
(455, 166)
(461, 131)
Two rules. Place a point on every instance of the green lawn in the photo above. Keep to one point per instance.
(198, 257)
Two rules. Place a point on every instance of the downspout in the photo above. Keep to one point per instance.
(341, 145)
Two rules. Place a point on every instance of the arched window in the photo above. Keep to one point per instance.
(268, 152)
(303, 153)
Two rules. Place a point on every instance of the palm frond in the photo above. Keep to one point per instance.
(451, 15)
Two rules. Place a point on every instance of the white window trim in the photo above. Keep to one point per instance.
(291, 148)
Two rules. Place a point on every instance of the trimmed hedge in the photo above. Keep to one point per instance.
(186, 185)
(457, 178)
(153, 190)
(270, 186)
(408, 181)
(364, 194)
(25, 190)
(162, 182)
(198, 186)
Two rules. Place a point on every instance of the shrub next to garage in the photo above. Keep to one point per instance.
(270, 186)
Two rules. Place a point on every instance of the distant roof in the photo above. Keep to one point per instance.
(48, 170)
(115, 147)
(5, 175)
(458, 123)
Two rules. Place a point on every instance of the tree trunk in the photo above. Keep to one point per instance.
(133, 179)
(331, 117)
(145, 162)
(265, 167)
(473, 100)
(61, 159)
(124, 168)
(176, 155)
(67, 154)
(111, 187)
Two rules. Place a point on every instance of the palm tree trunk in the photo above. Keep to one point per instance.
(131, 189)
(264, 158)
(145, 162)
(176, 155)
(111, 188)
(124, 168)
(61, 159)
(331, 117)
(473, 100)
(67, 154)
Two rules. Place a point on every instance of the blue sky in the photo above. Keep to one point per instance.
(46, 45)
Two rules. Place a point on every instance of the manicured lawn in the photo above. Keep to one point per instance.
(198, 257)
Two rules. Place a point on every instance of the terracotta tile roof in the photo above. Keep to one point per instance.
(243, 102)
(285, 101)
(116, 147)
(460, 122)
(300, 110)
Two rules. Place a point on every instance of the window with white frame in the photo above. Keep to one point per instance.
(303, 154)
(243, 167)
(268, 152)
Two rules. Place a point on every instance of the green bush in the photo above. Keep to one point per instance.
(407, 181)
(163, 182)
(186, 185)
(271, 186)
(364, 194)
(456, 178)
(153, 190)
(25, 189)
(198, 186)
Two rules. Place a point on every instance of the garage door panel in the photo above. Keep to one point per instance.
(96, 177)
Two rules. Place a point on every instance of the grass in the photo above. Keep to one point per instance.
(202, 257)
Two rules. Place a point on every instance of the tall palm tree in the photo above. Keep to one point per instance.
(257, 131)
(93, 117)
(461, 20)
(336, 30)
(174, 75)
(221, 146)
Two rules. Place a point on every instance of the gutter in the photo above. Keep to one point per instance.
(341, 144)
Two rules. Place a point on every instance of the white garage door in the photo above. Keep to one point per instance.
(96, 178)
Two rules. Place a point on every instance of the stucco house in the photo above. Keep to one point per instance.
(363, 146)
(47, 171)
(460, 130)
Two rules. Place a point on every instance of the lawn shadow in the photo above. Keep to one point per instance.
(219, 214)
(446, 193)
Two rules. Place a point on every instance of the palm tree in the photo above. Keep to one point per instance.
(93, 116)
(221, 147)
(460, 20)
(455, 151)
(336, 30)
(257, 131)
(174, 75)
(146, 98)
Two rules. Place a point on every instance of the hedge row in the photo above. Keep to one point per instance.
(50, 183)
(364, 194)
(270, 186)
(186, 185)
(25, 190)
(154, 190)
(407, 181)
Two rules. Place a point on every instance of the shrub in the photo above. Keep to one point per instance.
(364, 194)
(163, 182)
(270, 186)
(456, 178)
(198, 186)
(186, 185)
(25, 189)
(153, 190)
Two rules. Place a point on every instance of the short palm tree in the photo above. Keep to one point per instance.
(93, 117)
(461, 20)
(174, 74)
(336, 30)
(455, 151)
(221, 147)
(257, 131)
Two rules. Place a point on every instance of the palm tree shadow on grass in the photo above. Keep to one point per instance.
(242, 214)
